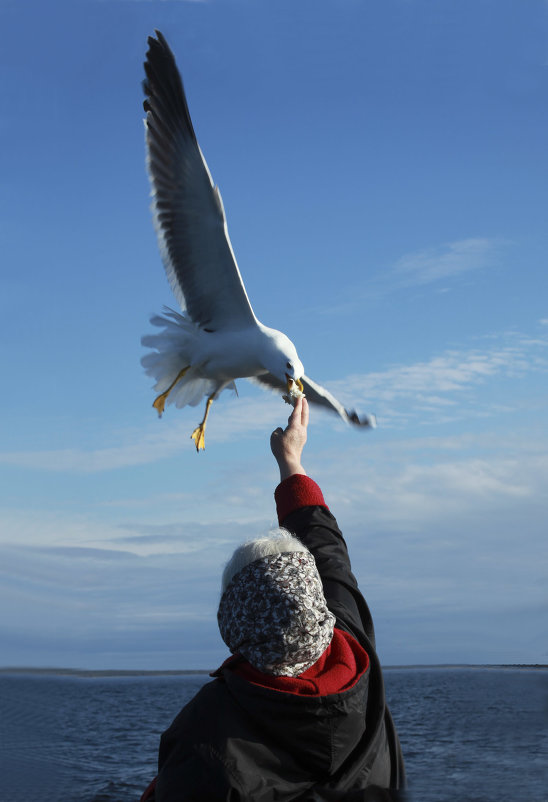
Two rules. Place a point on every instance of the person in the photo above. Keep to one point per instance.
(298, 711)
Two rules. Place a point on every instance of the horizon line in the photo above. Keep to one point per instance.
(113, 672)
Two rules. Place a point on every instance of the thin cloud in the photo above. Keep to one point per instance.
(474, 526)
(436, 264)
(429, 266)
(443, 384)
(448, 383)
(42, 528)
(164, 440)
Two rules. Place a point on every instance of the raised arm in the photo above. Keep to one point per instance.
(302, 509)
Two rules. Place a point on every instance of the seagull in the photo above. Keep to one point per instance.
(217, 338)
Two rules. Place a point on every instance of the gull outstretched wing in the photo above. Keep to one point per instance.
(188, 210)
(316, 394)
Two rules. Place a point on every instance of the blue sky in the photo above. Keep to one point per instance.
(385, 176)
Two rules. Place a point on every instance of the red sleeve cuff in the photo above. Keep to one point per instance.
(295, 492)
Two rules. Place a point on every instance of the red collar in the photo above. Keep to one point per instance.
(338, 669)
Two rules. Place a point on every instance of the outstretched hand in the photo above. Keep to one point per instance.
(287, 444)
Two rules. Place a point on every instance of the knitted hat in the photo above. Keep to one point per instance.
(274, 613)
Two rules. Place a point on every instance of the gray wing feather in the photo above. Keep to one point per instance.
(316, 394)
(188, 210)
(269, 382)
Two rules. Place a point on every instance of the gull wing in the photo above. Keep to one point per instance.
(188, 210)
(315, 394)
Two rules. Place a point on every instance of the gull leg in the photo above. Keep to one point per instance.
(198, 435)
(160, 402)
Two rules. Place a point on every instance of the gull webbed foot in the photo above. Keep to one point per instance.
(198, 435)
(159, 403)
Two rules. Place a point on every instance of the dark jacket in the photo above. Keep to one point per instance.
(240, 742)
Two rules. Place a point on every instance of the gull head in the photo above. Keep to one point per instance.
(293, 378)
(281, 359)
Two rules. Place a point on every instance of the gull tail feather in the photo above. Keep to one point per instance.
(190, 391)
(172, 350)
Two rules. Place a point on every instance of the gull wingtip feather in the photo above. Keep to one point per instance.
(366, 421)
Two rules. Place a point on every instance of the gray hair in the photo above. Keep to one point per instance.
(277, 541)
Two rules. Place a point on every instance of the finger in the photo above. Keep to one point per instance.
(295, 412)
(304, 412)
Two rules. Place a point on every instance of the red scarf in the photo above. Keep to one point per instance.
(338, 669)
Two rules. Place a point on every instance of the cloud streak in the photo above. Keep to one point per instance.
(138, 448)
(436, 264)
(440, 390)
(429, 266)
(446, 385)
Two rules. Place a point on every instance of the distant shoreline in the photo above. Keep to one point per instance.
(83, 672)
(107, 672)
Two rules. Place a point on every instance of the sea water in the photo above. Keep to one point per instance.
(468, 734)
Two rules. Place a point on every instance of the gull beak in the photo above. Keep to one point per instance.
(291, 382)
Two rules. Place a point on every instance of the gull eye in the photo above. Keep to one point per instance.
(289, 365)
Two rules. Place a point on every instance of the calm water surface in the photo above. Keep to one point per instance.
(468, 735)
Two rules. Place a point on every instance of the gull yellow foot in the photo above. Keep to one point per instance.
(198, 435)
(160, 402)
